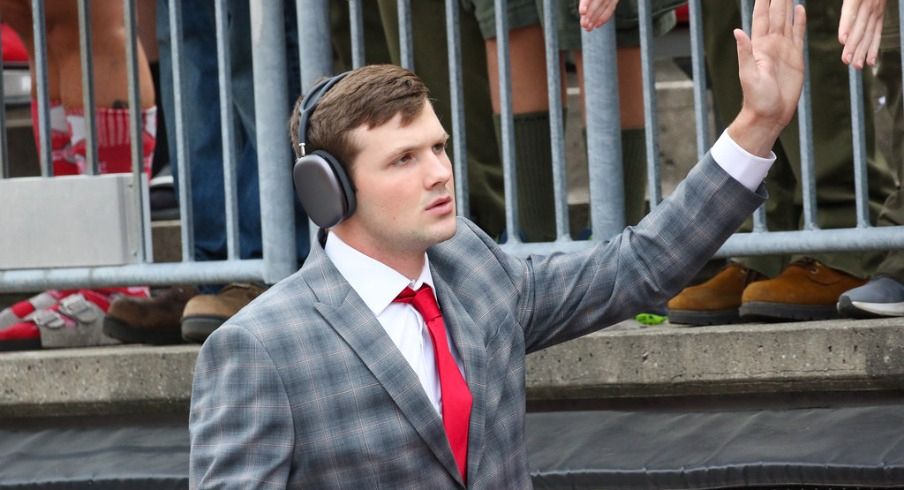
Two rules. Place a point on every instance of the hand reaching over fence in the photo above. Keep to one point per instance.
(860, 31)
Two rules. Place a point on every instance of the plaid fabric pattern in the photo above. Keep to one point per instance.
(303, 388)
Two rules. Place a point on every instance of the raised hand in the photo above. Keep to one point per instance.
(771, 71)
(860, 31)
(595, 13)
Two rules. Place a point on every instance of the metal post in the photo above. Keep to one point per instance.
(604, 154)
(40, 65)
(136, 131)
(271, 101)
(406, 48)
(182, 155)
(650, 112)
(508, 131)
(227, 130)
(456, 101)
(356, 20)
(88, 103)
(556, 128)
(701, 107)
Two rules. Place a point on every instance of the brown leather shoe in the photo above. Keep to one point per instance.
(716, 301)
(154, 320)
(805, 290)
(204, 314)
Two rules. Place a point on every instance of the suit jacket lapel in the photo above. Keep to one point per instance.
(468, 339)
(347, 314)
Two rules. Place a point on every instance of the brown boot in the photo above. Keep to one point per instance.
(805, 290)
(154, 320)
(205, 313)
(716, 301)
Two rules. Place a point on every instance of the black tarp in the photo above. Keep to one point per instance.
(851, 447)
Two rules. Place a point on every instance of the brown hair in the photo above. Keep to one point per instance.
(370, 95)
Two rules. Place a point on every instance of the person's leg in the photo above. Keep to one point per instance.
(533, 149)
(110, 83)
(17, 14)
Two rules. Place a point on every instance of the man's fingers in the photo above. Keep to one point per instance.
(846, 22)
(800, 26)
(873, 54)
(779, 16)
(760, 19)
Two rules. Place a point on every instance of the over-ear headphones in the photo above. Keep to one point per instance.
(321, 182)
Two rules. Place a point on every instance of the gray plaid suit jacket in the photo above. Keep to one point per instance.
(303, 387)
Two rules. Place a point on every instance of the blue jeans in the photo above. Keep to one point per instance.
(201, 104)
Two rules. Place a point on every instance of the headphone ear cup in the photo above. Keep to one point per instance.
(324, 189)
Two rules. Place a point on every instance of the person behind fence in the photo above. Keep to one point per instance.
(805, 286)
(395, 357)
(190, 312)
(530, 99)
(32, 324)
(883, 295)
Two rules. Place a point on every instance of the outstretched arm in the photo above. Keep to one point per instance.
(860, 30)
(595, 13)
(771, 70)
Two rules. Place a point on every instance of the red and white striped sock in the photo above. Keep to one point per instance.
(114, 152)
(60, 146)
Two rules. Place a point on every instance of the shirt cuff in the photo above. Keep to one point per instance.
(743, 166)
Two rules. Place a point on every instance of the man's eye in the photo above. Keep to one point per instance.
(439, 147)
(403, 159)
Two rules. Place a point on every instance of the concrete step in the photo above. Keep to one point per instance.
(628, 361)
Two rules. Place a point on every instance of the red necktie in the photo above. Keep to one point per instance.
(455, 392)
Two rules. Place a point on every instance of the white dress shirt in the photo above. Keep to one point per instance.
(378, 284)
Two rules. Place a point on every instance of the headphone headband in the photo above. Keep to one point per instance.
(309, 103)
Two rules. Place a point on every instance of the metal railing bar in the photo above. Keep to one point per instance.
(456, 102)
(136, 131)
(273, 150)
(556, 125)
(356, 20)
(183, 170)
(227, 130)
(650, 111)
(163, 274)
(509, 171)
(88, 102)
(698, 69)
(604, 154)
(858, 134)
(406, 48)
(40, 66)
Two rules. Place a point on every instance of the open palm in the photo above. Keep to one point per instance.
(771, 66)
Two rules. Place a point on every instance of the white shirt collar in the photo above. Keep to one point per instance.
(375, 282)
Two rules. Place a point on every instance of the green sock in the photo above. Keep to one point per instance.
(533, 160)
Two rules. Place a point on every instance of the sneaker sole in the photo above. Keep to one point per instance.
(860, 310)
(22, 344)
(198, 328)
(702, 318)
(761, 311)
(126, 333)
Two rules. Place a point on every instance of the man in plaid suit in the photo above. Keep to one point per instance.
(325, 382)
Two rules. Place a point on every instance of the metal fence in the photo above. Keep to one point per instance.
(604, 162)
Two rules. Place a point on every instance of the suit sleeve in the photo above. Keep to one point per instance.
(568, 295)
(240, 423)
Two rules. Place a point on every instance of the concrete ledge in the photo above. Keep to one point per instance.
(838, 355)
(623, 362)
